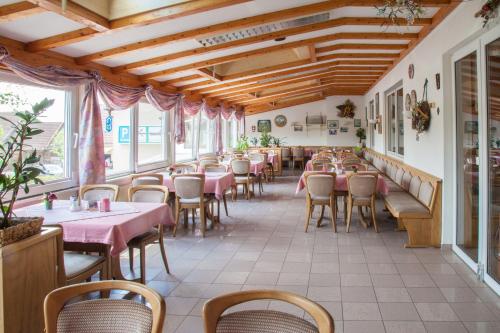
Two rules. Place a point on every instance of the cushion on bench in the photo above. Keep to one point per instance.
(402, 204)
(415, 186)
(405, 182)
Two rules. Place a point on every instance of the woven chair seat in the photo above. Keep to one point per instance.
(105, 315)
(263, 321)
(77, 263)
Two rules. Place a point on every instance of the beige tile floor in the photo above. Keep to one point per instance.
(367, 281)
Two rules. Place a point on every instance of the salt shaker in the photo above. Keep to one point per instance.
(74, 204)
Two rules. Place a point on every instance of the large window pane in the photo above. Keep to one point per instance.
(493, 103)
(467, 155)
(400, 121)
(391, 107)
(117, 141)
(52, 145)
(204, 145)
(184, 151)
(151, 135)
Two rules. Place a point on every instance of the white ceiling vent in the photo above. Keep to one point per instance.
(263, 29)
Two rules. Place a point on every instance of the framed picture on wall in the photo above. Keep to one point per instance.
(297, 128)
(344, 129)
(264, 126)
(332, 124)
(332, 131)
(357, 122)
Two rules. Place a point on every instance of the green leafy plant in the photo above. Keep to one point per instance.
(18, 162)
(254, 141)
(278, 142)
(361, 134)
(265, 139)
(242, 143)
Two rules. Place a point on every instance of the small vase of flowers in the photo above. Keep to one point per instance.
(48, 200)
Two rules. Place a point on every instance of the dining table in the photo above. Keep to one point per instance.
(113, 230)
(256, 167)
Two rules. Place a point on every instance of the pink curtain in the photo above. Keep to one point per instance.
(161, 100)
(219, 145)
(189, 108)
(226, 112)
(119, 97)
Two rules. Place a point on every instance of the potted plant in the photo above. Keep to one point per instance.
(265, 139)
(361, 134)
(242, 144)
(19, 169)
(278, 142)
(254, 141)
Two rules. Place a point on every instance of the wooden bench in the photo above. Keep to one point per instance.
(414, 199)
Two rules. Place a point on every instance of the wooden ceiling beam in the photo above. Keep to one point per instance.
(267, 50)
(353, 46)
(312, 53)
(260, 38)
(266, 107)
(182, 79)
(76, 13)
(18, 10)
(155, 15)
(171, 12)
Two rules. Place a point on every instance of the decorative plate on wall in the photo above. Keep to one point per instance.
(280, 120)
(408, 102)
(413, 98)
(411, 71)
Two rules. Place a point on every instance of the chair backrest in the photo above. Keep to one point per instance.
(320, 159)
(184, 167)
(207, 161)
(148, 193)
(240, 166)
(101, 315)
(298, 152)
(355, 166)
(215, 168)
(320, 184)
(244, 321)
(99, 191)
(285, 152)
(362, 185)
(189, 186)
(326, 155)
(210, 156)
(147, 179)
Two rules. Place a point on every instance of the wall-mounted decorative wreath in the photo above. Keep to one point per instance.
(421, 113)
(488, 11)
(393, 10)
(347, 109)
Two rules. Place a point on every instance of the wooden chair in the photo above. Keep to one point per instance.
(355, 166)
(209, 156)
(298, 156)
(207, 161)
(184, 167)
(189, 194)
(147, 193)
(103, 314)
(99, 191)
(286, 156)
(320, 191)
(241, 170)
(218, 168)
(264, 321)
(146, 179)
(77, 267)
(261, 158)
(362, 189)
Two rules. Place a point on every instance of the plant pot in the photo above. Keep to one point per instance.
(21, 228)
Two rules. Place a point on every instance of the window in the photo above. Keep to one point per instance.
(395, 122)
(54, 145)
(372, 125)
(232, 130)
(184, 151)
(206, 135)
(118, 138)
(151, 140)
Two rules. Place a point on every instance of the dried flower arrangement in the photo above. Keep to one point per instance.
(347, 109)
(488, 11)
(395, 9)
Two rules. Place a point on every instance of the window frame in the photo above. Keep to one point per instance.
(394, 90)
(71, 137)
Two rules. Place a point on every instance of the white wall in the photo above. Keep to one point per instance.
(433, 152)
(314, 136)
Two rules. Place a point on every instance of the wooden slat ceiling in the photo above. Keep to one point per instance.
(345, 53)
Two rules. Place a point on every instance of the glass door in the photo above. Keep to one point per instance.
(492, 57)
(467, 145)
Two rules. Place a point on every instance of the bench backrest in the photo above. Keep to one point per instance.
(425, 187)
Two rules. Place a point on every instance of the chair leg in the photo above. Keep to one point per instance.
(318, 224)
(349, 216)
(193, 212)
(203, 220)
(374, 220)
(225, 203)
(186, 221)
(177, 215)
(162, 249)
(308, 215)
(143, 263)
(333, 211)
(131, 258)
(247, 187)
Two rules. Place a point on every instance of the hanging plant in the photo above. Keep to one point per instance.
(347, 109)
(488, 11)
(393, 10)
(421, 113)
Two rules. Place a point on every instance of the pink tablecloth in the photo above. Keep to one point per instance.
(215, 183)
(341, 184)
(272, 159)
(255, 166)
(309, 165)
(114, 230)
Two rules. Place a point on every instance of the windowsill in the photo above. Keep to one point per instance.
(395, 155)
